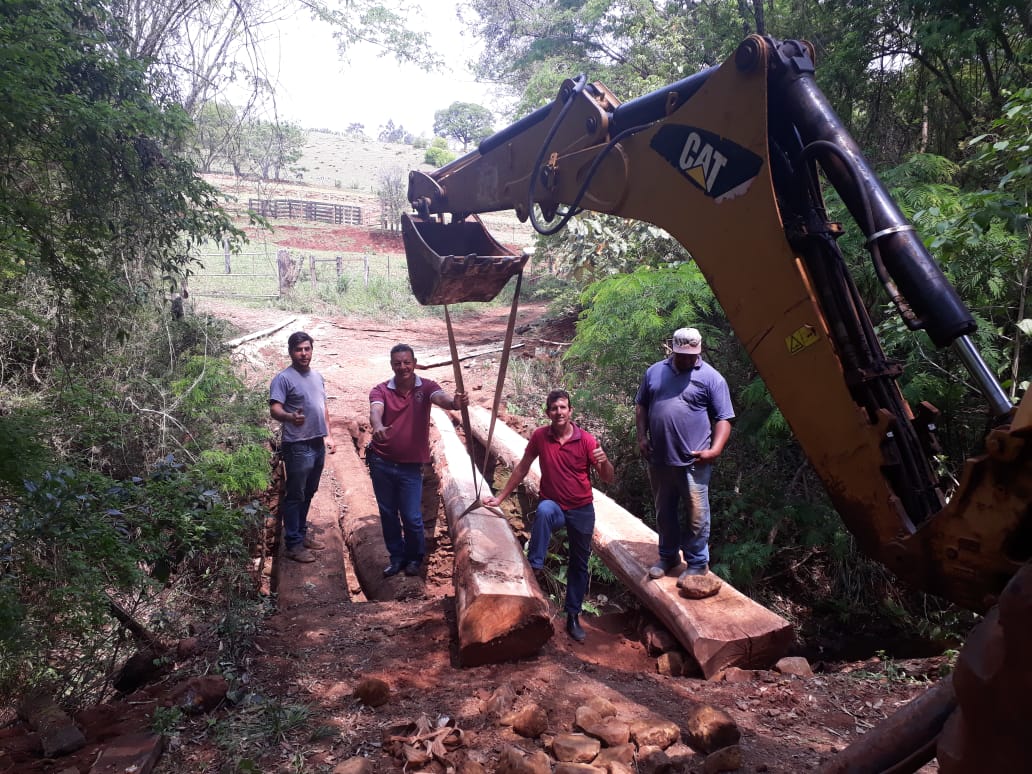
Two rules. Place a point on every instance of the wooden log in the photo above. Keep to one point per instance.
(58, 733)
(502, 613)
(447, 361)
(259, 334)
(725, 630)
(360, 524)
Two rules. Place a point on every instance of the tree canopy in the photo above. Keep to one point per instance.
(94, 201)
(465, 122)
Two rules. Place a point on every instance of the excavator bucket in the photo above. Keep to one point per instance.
(458, 261)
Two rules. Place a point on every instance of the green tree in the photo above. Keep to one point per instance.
(272, 148)
(438, 154)
(993, 226)
(391, 193)
(391, 133)
(465, 122)
(213, 135)
(94, 203)
(204, 48)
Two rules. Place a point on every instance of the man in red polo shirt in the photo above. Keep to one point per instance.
(568, 455)
(399, 416)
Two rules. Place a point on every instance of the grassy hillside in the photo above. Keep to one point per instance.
(348, 170)
(354, 163)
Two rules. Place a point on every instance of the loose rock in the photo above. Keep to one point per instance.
(372, 691)
(530, 721)
(513, 761)
(357, 765)
(709, 729)
(621, 753)
(794, 665)
(671, 663)
(701, 586)
(603, 707)
(575, 748)
(724, 759)
(657, 733)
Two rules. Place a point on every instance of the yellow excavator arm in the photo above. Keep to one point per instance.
(727, 162)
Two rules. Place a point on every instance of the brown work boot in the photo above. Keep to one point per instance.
(300, 554)
(312, 543)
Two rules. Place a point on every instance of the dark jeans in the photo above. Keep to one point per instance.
(672, 486)
(398, 488)
(304, 463)
(580, 526)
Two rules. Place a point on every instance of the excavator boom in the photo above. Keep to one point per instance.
(727, 162)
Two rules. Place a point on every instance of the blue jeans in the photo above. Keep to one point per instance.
(670, 487)
(399, 493)
(580, 526)
(304, 463)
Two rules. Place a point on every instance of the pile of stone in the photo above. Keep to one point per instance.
(605, 742)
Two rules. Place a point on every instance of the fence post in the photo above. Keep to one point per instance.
(340, 267)
(282, 268)
(311, 269)
(225, 255)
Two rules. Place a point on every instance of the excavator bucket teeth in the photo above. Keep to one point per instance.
(458, 261)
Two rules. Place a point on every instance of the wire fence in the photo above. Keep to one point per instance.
(273, 272)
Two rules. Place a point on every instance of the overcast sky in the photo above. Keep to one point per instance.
(318, 91)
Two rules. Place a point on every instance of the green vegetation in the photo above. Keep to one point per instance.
(152, 497)
(438, 154)
(465, 122)
(129, 449)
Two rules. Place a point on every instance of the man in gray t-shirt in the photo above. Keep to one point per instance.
(683, 414)
(297, 398)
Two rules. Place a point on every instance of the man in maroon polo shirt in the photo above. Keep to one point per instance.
(568, 455)
(399, 415)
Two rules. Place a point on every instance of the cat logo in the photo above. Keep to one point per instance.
(719, 168)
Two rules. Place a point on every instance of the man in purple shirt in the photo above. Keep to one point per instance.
(683, 414)
(399, 416)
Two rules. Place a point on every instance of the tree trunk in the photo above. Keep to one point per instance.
(725, 630)
(360, 524)
(502, 613)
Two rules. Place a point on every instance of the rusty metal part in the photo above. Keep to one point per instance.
(902, 743)
(458, 261)
(993, 681)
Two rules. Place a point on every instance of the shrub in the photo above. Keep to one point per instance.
(438, 157)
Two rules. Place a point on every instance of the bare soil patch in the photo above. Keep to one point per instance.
(325, 639)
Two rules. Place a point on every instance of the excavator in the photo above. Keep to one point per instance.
(731, 162)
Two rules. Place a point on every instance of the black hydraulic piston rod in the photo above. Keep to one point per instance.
(927, 291)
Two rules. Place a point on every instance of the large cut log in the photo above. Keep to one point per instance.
(725, 630)
(502, 613)
(360, 523)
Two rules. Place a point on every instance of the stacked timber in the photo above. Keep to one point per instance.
(721, 631)
(502, 613)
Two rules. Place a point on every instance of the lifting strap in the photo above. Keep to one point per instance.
(502, 367)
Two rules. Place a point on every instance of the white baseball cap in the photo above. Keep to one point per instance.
(687, 341)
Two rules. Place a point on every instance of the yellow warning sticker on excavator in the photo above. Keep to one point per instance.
(801, 339)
